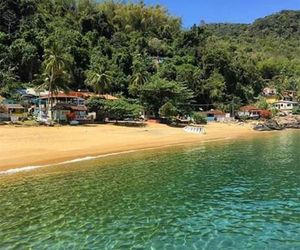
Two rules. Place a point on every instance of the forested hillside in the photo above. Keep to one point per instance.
(143, 53)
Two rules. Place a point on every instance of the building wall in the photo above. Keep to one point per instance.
(4, 117)
(271, 99)
(285, 106)
(61, 115)
(249, 114)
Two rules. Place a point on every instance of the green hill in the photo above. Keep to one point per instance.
(140, 52)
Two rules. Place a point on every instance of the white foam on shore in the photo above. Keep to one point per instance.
(16, 170)
(88, 158)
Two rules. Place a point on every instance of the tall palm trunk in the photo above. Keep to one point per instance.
(51, 106)
(50, 98)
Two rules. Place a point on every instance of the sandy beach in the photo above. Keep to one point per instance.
(31, 146)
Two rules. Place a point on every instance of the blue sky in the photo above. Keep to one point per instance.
(233, 11)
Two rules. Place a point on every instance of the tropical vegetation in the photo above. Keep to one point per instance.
(142, 53)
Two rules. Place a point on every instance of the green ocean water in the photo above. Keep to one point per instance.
(232, 195)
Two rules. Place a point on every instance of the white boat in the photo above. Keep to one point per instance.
(194, 130)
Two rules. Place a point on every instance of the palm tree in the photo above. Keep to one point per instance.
(56, 75)
(100, 82)
(139, 79)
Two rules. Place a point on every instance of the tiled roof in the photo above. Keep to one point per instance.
(60, 95)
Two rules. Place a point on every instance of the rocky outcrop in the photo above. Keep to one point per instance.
(279, 123)
(291, 121)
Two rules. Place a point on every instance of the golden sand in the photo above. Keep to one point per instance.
(30, 146)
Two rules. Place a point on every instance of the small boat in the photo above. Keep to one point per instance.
(194, 130)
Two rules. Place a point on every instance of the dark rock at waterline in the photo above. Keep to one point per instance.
(261, 127)
(268, 126)
(273, 125)
(291, 121)
(279, 123)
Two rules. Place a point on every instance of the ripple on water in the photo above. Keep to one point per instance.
(242, 195)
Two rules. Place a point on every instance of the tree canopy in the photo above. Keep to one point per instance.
(142, 52)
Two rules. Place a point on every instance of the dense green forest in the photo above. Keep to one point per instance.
(142, 53)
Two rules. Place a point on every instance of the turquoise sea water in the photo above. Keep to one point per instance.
(233, 195)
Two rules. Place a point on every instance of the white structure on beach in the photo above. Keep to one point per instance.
(194, 130)
(286, 106)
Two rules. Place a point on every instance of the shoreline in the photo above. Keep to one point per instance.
(89, 158)
(27, 148)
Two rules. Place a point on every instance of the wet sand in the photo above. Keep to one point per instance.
(32, 146)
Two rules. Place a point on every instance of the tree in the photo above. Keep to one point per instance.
(138, 80)
(215, 86)
(24, 55)
(100, 82)
(262, 103)
(199, 118)
(8, 82)
(168, 110)
(116, 110)
(56, 72)
(97, 105)
(157, 47)
(112, 45)
(159, 91)
(121, 108)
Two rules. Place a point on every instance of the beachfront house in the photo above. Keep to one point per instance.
(286, 106)
(252, 112)
(289, 95)
(12, 112)
(216, 116)
(64, 112)
(249, 112)
(270, 94)
(66, 107)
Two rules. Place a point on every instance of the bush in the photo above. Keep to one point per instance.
(121, 109)
(115, 110)
(266, 114)
(296, 111)
(168, 110)
(199, 118)
(274, 112)
(262, 103)
(97, 105)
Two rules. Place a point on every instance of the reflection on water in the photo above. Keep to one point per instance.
(239, 195)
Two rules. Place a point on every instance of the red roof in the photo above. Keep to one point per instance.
(84, 95)
(90, 94)
(214, 112)
(60, 95)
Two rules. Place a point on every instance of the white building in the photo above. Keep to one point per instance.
(286, 106)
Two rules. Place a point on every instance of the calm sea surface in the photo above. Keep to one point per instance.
(231, 195)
